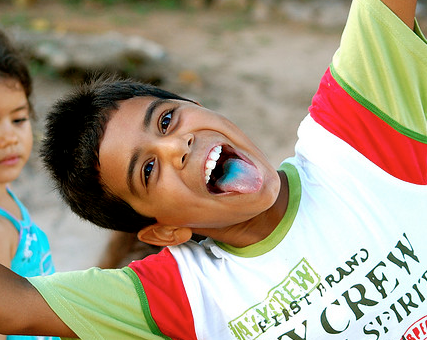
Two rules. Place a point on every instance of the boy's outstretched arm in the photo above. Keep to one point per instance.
(24, 311)
(404, 9)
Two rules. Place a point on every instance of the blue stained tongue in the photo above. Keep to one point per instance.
(239, 176)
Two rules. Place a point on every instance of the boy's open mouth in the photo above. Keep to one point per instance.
(226, 171)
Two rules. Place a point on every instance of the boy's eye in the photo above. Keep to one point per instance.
(165, 121)
(147, 171)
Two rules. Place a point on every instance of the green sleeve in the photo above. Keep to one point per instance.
(96, 304)
(382, 64)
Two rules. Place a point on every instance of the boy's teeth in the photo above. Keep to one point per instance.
(215, 153)
(211, 162)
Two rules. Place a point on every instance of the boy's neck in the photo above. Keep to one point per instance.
(257, 228)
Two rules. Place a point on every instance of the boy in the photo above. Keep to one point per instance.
(331, 245)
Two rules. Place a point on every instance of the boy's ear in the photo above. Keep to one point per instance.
(161, 235)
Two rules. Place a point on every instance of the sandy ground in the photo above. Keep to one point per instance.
(261, 75)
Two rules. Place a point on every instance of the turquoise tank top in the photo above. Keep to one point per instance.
(33, 256)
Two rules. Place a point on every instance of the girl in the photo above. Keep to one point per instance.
(23, 246)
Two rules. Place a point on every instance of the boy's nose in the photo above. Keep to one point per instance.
(176, 149)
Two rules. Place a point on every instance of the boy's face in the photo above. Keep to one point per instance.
(157, 155)
(16, 138)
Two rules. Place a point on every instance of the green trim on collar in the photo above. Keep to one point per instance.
(144, 303)
(418, 31)
(282, 228)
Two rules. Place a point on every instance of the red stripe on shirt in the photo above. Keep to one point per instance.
(395, 153)
(167, 299)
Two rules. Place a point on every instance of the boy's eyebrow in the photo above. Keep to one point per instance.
(150, 110)
(131, 168)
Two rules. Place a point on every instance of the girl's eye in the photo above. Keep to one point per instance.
(147, 171)
(19, 121)
(165, 121)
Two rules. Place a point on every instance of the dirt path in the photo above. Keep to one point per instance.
(262, 76)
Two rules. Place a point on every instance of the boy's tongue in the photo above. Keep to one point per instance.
(239, 176)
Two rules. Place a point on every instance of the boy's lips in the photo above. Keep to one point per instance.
(228, 171)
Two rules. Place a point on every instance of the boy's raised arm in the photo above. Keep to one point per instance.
(24, 311)
(404, 9)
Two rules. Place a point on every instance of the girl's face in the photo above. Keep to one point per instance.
(16, 138)
(184, 165)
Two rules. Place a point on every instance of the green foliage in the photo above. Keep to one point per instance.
(238, 22)
(20, 19)
(141, 5)
(38, 68)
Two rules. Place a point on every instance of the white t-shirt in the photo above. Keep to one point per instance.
(348, 260)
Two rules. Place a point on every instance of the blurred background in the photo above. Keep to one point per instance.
(256, 61)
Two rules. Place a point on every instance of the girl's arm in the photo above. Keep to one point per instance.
(24, 311)
(404, 9)
(8, 240)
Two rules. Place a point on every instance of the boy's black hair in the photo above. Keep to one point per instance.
(70, 149)
(13, 66)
